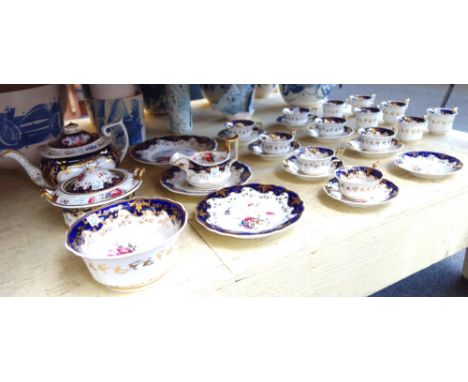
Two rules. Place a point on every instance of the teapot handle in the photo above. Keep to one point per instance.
(119, 135)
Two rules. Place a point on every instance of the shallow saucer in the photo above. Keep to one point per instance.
(355, 145)
(314, 132)
(174, 180)
(158, 151)
(428, 164)
(281, 120)
(256, 149)
(386, 192)
(251, 211)
(290, 165)
(229, 133)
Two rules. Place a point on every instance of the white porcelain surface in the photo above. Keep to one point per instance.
(276, 142)
(175, 180)
(330, 126)
(440, 120)
(251, 211)
(158, 151)
(296, 115)
(256, 148)
(282, 121)
(361, 100)
(411, 129)
(315, 133)
(254, 135)
(376, 139)
(367, 117)
(292, 165)
(385, 192)
(334, 108)
(358, 183)
(430, 165)
(128, 245)
(356, 145)
(315, 160)
(392, 110)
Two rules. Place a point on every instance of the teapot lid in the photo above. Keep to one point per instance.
(73, 141)
(95, 186)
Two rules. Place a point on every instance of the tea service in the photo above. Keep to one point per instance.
(411, 129)
(367, 116)
(209, 169)
(174, 179)
(429, 164)
(334, 108)
(361, 100)
(312, 162)
(361, 186)
(440, 119)
(295, 117)
(393, 110)
(247, 130)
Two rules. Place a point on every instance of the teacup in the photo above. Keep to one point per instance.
(392, 110)
(333, 108)
(276, 142)
(242, 127)
(411, 129)
(376, 139)
(361, 100)
(359, 182)
(296, 115)
(367, 117)
(206, 169)
(315, 160)
(440, 119)
(330, 126)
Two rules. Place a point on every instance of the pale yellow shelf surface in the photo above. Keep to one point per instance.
(334, 250)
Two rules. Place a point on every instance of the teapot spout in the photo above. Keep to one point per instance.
(33, 172)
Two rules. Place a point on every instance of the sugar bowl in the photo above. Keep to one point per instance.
(92, 188)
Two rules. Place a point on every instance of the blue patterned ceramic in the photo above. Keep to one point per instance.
(386, 191)
(180, 112)
(305, 95)
(428, 164)
(129, 110)
(159, 150)
(28, 117)
(175, 180)
(232, 100)
(128, 245)
(250, 211)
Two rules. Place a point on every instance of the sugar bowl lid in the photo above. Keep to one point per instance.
(95, 186)
(73, 141)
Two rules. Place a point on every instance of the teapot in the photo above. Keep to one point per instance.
(208, 169)
(74, 148)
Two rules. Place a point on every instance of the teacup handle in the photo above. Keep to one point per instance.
(376, 165)
(336, 162)
(286, 110)
(228, 125)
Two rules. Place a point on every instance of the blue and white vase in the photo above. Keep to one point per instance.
(129, 109)
(234, 101)
(180, 112)
(305, 95)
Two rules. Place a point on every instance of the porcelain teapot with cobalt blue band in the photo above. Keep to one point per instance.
(67, 156)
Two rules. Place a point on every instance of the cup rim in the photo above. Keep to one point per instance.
(300, 150)
(363, 132)
(373, 171)
(371, 110)
(248, 123)
(362, 96)
(442, 111)
(413, 119)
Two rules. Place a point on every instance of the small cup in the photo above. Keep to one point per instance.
(361, 100)
(440, 119)
(242, 127)
(276, 142)
(315, 160)
(367, 117)
(392, 110)
(296, 115)
(330, 126)
(411, 129)
(333, 108)
(358, 183)
(376, 139)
